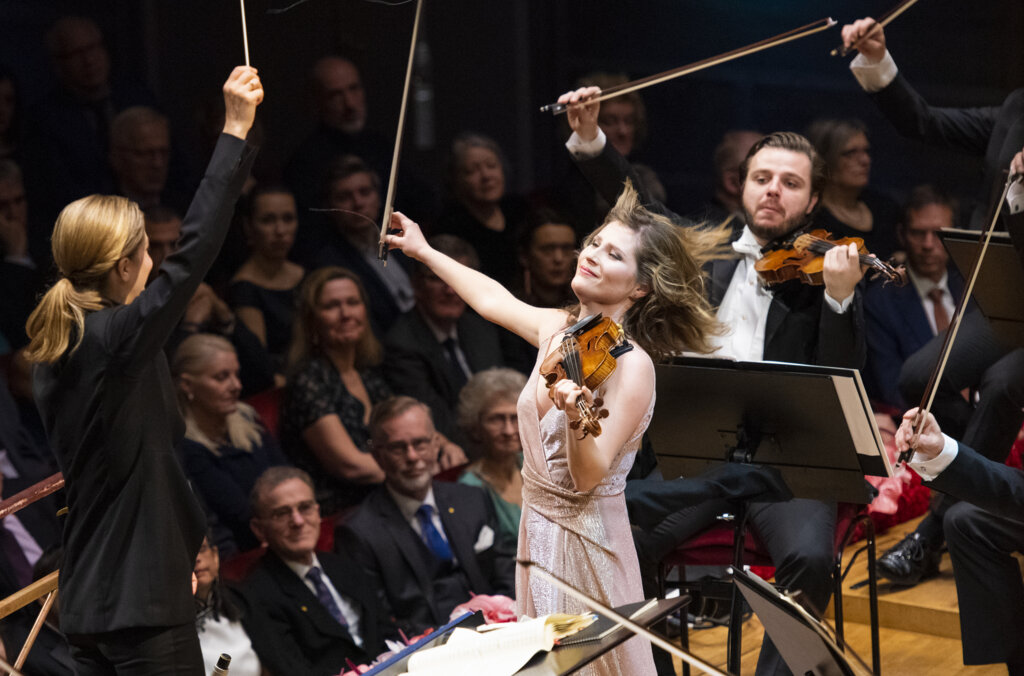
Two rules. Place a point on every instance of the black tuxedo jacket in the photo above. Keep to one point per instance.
(995, 132)
(133, 527)
(801, 327)
(291, 630)
(991, 485)
(393, 554)
(418, 365)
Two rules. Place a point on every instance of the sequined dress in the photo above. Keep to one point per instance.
(584, 538)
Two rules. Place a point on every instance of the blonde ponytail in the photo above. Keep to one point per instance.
(91, 235)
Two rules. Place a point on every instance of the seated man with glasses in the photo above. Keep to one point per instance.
(311, 611)
(427, 544)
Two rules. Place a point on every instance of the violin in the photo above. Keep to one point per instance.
(586, 356)
(803, 258)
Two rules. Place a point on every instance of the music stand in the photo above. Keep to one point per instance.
(1000, 281)
(803, 642)
(812, 423)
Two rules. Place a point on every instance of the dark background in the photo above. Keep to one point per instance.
(493, 63)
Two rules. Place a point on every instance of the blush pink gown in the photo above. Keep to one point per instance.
(583, 538)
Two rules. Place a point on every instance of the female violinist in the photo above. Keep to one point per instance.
(645, 273)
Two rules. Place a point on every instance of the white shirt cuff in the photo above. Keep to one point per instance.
(837, 307)
(585, 150)
(874, 76)
(1015, 197)
(929, 469)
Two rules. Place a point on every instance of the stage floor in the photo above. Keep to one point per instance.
(919, 632)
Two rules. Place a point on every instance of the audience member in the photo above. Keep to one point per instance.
(905, 328)
(21, 278)
(479, 209)
(222, 617)
(901, 320)
(70, 127)
(311, 611)
(10, 140)
(26, 534)
(547, 259)
(434, 348)
(50, 654)
(163, 230)
(849, 208)
(262, 292)
(225, 448)
(208, 313)
(350, 236)
(333, 385)
(140, 156)
(490, 422)
(339, 104)
(428, 545)
(727, 196)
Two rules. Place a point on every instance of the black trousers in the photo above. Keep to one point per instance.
(988, 583)
(798, 534)
(138, 651)
(978, 361)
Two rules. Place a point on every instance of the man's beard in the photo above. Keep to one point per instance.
(776, 232)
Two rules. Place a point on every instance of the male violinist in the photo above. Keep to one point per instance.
(978, 359)
(782, 178)
(982, 531)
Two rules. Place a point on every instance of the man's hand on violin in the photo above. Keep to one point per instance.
(406, 236)
(582, 118)
(842, 271)
(565, 393)
(873, 46)
(927, 441)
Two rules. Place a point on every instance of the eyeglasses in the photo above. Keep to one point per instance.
(499, 420)
(422, 446)
(280, 516)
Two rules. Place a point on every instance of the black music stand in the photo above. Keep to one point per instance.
(803, 642)
(1000, 283)
(812, 423)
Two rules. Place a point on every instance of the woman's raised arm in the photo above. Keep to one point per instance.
(490, 299)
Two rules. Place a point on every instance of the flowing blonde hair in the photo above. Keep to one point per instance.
(675, 314)
(91, 235)
(304, 329)
(192, 358)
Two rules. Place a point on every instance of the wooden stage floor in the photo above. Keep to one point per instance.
(919, 627)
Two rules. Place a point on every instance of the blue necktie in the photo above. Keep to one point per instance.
(323, 595)
(435, 541)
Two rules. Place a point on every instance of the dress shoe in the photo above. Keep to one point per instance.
(910, 562)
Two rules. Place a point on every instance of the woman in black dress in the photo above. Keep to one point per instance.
(105, 395)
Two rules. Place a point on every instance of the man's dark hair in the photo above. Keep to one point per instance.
(922, 196)
(345, 166)
(453, 247)
(788, 140)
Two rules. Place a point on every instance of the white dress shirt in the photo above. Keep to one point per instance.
(348, 608)
(924, 286)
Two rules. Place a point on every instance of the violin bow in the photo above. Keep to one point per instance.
(599, 607)
(245, 32)
(389, 201)
(843, 50)
(643, 83)
(954, 325)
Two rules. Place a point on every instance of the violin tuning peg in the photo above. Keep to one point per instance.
(574, 424)
(603, 413)
(598, 402)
